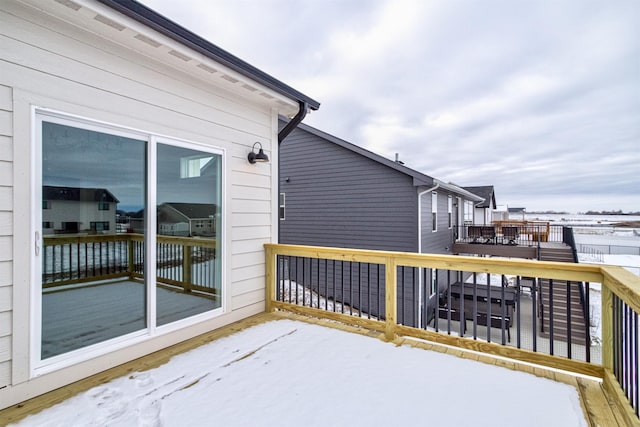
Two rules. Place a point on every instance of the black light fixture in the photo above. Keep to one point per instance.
(254, 157)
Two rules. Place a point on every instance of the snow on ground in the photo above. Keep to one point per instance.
(630, 262)
(289, 373)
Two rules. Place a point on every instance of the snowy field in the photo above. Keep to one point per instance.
(286, 373)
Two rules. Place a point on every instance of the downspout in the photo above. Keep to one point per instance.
(420, 307)
(294, 122)
(284, 132)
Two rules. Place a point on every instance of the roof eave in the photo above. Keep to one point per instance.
(168, 28)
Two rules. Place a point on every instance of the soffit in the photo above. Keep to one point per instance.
(115, 27)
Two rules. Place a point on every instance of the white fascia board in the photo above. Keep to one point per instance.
(460, 191)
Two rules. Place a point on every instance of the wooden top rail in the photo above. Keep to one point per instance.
(126, 237)
(622, 282)
(520, 267)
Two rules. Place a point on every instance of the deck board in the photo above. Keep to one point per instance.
(597, 409)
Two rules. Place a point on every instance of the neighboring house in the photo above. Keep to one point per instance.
(111, 96)
(483, 211)
(78, 210)
(187, 219)
(337, 194)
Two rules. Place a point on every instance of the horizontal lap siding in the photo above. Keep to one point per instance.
(335, 197)
(47, 63)
(441, 241)
(6, 232)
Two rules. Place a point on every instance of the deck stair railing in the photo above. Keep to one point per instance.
(182, 262)
(482, 304)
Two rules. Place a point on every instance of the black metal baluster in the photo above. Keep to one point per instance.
(517, 307)
(326, 284)
(534, 314)
(378, 289)
(400, 285)
(569, 312)
(350, 288)
(368, 290)
(488, 308)
(616, 338)
(342, 287)
(634, 400)
(502, 308)
(78, 259)
(587, 323)
(551, 317)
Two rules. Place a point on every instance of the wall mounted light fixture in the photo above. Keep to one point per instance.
(254, 157)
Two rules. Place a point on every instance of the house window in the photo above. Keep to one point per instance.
(282, 206)
(99, 226)
(47, 224)
(139, 172)
(434, 211)
(468, 212)
(46, 204)
(450, 211)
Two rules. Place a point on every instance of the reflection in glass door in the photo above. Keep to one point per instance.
(93, 221)
(188, 196)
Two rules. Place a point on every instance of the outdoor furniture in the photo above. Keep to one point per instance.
(495, 321)
(443, 313)
(485, 292)
(510, 234)
(488, 233)
(482, 233)
(475, 233)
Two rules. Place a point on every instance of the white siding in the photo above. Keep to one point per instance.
(48, 63)
(6, 231)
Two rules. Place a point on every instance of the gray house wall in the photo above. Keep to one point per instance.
(439, 242)
(339, 195)
(335, 197)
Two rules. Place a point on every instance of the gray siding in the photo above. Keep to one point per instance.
(335, 197)
(441, 241)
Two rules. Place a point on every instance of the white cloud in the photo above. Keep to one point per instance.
(535, 96)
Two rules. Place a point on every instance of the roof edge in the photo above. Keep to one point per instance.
(167, 27)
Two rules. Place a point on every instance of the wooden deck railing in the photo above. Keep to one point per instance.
(523, 233)
(180, 261)
(414, 295)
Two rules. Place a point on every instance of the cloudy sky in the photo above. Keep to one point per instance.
(539, 98)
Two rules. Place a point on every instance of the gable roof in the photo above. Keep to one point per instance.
(77, 194)
(487, 193)
(165, 26)
(419, 179)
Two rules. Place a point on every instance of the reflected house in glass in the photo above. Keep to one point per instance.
(187, 219)
(136, 221)
(78, 210)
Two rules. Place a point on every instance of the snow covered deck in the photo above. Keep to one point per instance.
(289, 372)
(116, 307)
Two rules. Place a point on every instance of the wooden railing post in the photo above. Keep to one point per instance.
(130, 257)
(186, 266)
(391, 301)
(606, 319)
(270, 277)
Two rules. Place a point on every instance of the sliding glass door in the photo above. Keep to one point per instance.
(125, 247)
(89, 179)
(188, 223)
